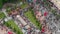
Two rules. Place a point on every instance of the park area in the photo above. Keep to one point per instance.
(11, 24)
(2, 15)
(30, 15)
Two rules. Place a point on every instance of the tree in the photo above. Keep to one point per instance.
(14, 29)
(1, 3)
(18, 32)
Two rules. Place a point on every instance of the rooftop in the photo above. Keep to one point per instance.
(56, 3)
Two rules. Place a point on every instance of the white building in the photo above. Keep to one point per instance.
(20, 18)
(56, 3)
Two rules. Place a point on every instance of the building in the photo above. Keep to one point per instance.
(56, 3)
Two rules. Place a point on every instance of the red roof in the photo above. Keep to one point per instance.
(9, 32)
(43, 30)
(45, 13)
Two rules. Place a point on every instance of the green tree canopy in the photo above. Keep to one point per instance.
(2, 2)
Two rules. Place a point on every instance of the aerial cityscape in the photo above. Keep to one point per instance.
(29, 16)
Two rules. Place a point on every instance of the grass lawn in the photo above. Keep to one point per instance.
(13, 26)
(24, 5)
(32, 18)
(2, 15)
